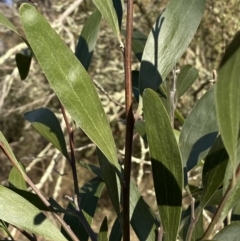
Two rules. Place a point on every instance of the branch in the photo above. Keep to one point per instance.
(129, 122)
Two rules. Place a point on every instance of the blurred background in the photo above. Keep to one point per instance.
(44, 164)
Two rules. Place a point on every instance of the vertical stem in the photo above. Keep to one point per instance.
(129, 122)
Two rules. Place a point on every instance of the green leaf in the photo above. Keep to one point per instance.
(106, 7)
(4, 21)
(4, 230)
(89, 195)
(166, 163)
(47, 124)
(213, 171)
(185, 79)
(94, 169)
(8, 152)
(232, 47)
(138, 43)
(228, 102)
(118, 5)
(236, 212)
(143, 221)
(229, 170)
(199, 131)
(37, 202)
(15, 178)
(233, 198)
(168, 39)
(17, 211)
(230, 232)
(110, 179)
(116, 231)
(139, 126)
(135, 84)
(23, 64)
(103, 231)
(69, 80)
(88, 38)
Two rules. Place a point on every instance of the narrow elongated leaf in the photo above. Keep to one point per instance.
(135, 84)
(233, 198)
(88, 39)
(231, 48)
(4, 21)
(140, 128)
(8, 151)
(213, 171)
(19, 212)
(138, 43)
(118, 5)
(37, 202)
(168, 39)
(103, 231)
(228, 102)
(69, 80)
(142, 218)
(199, 131)
(236, 212)
(94, 169)
(230, 232)
(89, 195)
(47, 124)
(106, 8)
(185, 79)
(139, 210)
(15, 178)
(229, 170)
(166, 163)
(110, 179)
(116, 231)
(4, 230)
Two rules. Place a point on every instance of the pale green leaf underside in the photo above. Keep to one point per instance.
(109, 14)
(168, 39)
(4, 21)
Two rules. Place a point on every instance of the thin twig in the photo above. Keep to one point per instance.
(44, 200)
(68, 11)
(160, 234)
(26, 234)
(217, 216)
(77, 199)
(106, 93)
(129, 122)
(72, 158)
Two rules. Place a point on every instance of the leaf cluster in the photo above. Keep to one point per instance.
(209, 136)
